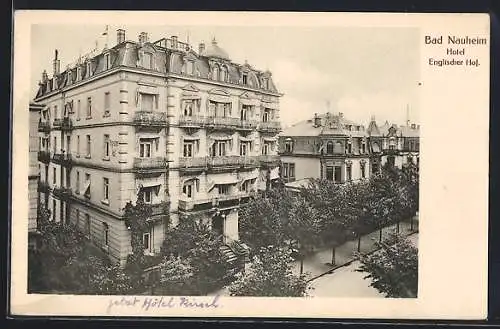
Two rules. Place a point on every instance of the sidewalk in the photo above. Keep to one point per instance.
(320, 262)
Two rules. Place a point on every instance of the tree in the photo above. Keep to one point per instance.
(137, 221)
(393, 269)
(198, 245)
(175, 275)
(269, 275)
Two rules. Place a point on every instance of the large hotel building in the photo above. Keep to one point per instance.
(195, 131)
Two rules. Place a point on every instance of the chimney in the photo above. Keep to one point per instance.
(57, 63)
(120, 36)
(413, 126)
(45, 76)
(201, 48)
(143, 38)
(317, 120)
(341, 115)
(174, 41)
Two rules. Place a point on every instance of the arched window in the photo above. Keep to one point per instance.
(329, 147)
(338, 148)
(215, 74)
(223, 74)
(289, 145)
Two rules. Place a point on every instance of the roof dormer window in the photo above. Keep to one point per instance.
(223, 74)
(215, 74)
(89, 69)
(147, 61)
(107, 62)
(244, 79)
(78, 73)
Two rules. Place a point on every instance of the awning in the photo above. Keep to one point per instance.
(146, 184)
(221, 137)
(86, 188)
(188, 95)
(269, 139)
(274, 174)
(249, 101)
(272, 106)
(190, 138)
(244, 139)
(226, 180)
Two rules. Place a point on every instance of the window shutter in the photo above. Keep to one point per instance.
(197, 146)
(137, 97)
(197, 184)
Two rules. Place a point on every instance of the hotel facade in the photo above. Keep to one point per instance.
(196, 131)
(330, 146)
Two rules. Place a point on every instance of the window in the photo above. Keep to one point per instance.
(244, 146)
(55, 145)
(54, 176)
(223, 74)
(188, 149)
(349, 147)
(78, 109)
(363, 147)
(349, 172)
(289, 171)
(89, 146)
(289, 146)
(145, 147)
(187, 189)
(68, 178)
(106, 146)
(56, 112)
(266, 148)
(329, 173)
(223, 189)
(391, 160)
(244, 79)
(215, 73)
(148, 195)
(266, 117)
(148, 102)
(329, 148)
(218, 148)
(54, 208)
(107, 62)
(89, 69)
(146, 239)
(188, 108)
(106, 103)
(78, 145)
(362, 166)
(147, 61)
(105, 229)
(77, 182)
(87, 225)
(190, 67)
(86, 192)
(89, 107)
(77, 219)
(106, 189)
(245, 187)
(78, 73)
(68, 144)
(245, 112)
(338, 174)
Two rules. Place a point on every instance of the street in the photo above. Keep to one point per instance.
(346, 282)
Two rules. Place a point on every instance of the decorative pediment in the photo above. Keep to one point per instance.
(220, 92)
(247, 95)
(190, 88)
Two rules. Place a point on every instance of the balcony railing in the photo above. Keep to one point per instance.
(248, 124)
(62, 192)
(150, 119)
(44, 156)
(64, 159)
(269, 159)
(219, 162)
(43, 187)
(270, 126)
(160, 208)
(215, 201)
(43, 126)
(223, 122)
(57, 123)
(192, 121)
(150, 163)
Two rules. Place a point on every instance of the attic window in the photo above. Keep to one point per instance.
(78, 73)
(215, 74)
(223, 74)
(190, 67)
(89, 69)
(244, 79)
(147, 61)
(266, 83)
(107, 62)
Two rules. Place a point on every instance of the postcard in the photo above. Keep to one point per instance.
(250, 164)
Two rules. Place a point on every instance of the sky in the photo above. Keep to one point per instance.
(359, 71)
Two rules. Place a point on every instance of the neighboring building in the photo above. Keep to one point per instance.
(328, 146)
(393, 144)
(196, 131)
(34, 174)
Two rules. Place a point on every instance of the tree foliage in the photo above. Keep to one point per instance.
(193, 242)
(269, 275)
(393, 269)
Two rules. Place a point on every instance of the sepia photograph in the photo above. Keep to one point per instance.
(183, 165)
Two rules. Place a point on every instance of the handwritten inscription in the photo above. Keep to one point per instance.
(455, 53)
(161, 302)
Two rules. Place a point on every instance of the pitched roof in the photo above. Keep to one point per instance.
(331, 124)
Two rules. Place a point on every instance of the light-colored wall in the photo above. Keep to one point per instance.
(304, 167)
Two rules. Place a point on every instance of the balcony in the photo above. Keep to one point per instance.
(270, 127)
(43, 126)
(150, 164)
(231, 161)
(192, 121)
(269, 160)
(65, 124)
(62, 192)
(161, 208)
(223, 123)
(44, 156)
(64, 159)
(190, 204)
(248, 125)
(150, 119)
(43, 187)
